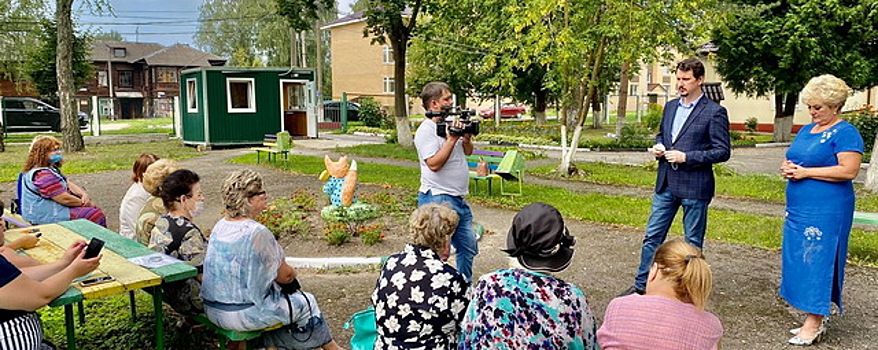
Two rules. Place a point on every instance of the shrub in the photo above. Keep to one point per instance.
(391, 203)
(635, 135)
(336, 233)
(866, 121)
(653, 117)
(371, 234)
(285, 216)
(751, 124)
(735, 135)
(304, 200)
(371, 113)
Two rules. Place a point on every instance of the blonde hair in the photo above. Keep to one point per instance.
(237, 190)
(40, 148)
(826, 89)
(155, 173)
(685, 266)
(432, 226)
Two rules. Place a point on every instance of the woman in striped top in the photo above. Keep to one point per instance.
(670, 315)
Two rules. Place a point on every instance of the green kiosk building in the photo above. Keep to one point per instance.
(223, 106)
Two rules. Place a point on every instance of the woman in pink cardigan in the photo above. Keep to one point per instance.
(670, 315)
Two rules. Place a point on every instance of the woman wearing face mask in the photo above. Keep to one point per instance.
(46, 195)
(176, 235)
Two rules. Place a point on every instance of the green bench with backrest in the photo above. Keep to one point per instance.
(274, 144)
(503, 166)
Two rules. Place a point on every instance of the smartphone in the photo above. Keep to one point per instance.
(94, 248)
(96, 280)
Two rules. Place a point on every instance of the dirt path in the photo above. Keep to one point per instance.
(746, 279)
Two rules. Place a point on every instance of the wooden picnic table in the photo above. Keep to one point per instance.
(55, 240)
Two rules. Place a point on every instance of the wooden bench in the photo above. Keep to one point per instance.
(274, 144)
(226, 335)
(505, 166)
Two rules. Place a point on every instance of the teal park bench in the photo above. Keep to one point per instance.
(503, 166)
(865, 218)
(274, 144)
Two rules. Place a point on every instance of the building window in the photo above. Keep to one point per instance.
(126, 78)
(389, 85)
(102, 78)
(388, 55)
(191, 96)
(166, 75)
(119, 52)
(632, 90)
(241, 95)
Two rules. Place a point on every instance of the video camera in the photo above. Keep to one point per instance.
(465, 116)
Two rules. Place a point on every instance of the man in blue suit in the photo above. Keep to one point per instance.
(693, 136)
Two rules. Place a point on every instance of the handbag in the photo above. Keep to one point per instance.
(365, 329)
(482, 167)
(291, 287)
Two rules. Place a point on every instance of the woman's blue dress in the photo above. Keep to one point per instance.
(818, 222)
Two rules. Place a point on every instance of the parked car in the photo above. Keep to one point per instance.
(506, 111)
(332, 111)
(25, 113)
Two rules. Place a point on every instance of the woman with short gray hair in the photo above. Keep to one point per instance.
(820, 165)
(419, 299)
(247, 283)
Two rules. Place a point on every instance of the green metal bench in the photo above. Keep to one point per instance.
(504, 166)
(227, 335)
(274, 144)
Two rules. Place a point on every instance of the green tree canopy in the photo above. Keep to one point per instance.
(112, 35)
(41, 65)
(774, 47)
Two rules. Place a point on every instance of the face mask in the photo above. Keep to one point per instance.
(199, 207)
(55, 158)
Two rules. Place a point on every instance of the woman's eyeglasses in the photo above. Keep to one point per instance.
(260, 193)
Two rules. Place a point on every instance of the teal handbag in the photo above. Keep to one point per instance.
(365, 329)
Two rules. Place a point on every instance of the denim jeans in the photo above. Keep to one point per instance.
(664, 208)
(463, 240)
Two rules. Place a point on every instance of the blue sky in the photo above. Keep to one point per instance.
(166, 22)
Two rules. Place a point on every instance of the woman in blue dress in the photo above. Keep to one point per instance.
(820, 164)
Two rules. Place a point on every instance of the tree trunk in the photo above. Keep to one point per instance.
(400, 105)
(583, 103)
(872, 172)
(540, 103)
(598, 121)
(70, 134)
(622, 108)
(784, 108)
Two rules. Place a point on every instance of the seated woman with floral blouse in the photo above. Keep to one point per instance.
(419, 299)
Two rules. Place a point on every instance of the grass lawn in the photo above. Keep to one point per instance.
(95, 158)
(743, 228)
(109, 326)
(749, 186)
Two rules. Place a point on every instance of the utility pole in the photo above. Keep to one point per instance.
(318, 35)
(293, 44)
(304, 51)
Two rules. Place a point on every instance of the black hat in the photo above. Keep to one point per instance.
(539, 239)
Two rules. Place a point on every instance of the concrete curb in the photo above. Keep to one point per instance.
(331, 263)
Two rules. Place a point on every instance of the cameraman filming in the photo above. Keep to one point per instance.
(444, 172)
